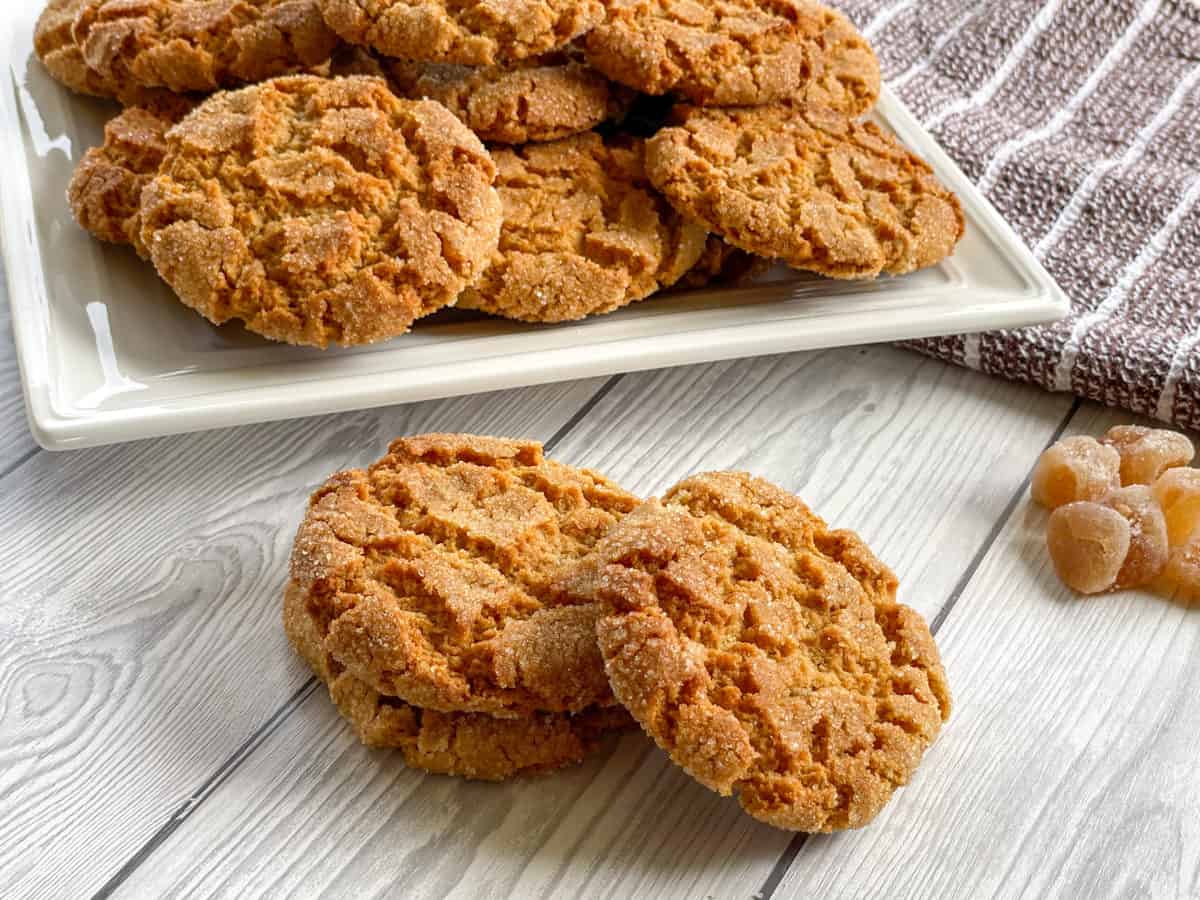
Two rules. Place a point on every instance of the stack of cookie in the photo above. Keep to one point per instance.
(491, 613)
(389, 158)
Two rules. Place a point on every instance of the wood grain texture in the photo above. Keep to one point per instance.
(1069, 767)
(140, 643)
(16, 443)
(310, 813)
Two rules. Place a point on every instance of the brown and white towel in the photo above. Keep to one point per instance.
(1080, 120)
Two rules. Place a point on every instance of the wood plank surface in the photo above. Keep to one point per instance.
(1069, 767)
(140, 644)
(311, 813)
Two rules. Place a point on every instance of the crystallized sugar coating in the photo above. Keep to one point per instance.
(1075, 468)
(584, 232)
(815, 189)
(201, 45)
(320, 211)
(1177, 492)
(470, 32)
(106, 188)
(1148, 546)
(1088, 544)
(472, 745)
(1148, 452)
(737, 52)
(540, 99)
(430, 571)
(1181, 575)
(764, 652)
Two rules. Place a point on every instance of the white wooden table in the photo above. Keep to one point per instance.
(157, 737)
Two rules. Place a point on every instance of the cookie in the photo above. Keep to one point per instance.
(808, 186)
(472, 33)
(201, 45)
(319, 210)
(55, 45)
(472, 745)
(106, 188)
(723, 264)
(583, 232)
(844, 73)
(430, 570)
(734, 52)
(764, 652)
(541, 99)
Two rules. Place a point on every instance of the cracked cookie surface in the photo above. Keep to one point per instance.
(55, 45)
(541, 99)
(765, 652)
(201, 45)
(813, 188)
(734, 52)
(584, 233)
(430, 573)
(106, 188)
(470, 32)
(471, 745)
(319, 210)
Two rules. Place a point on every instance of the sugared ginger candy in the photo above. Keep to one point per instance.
(1148, 452)
(1076, 468)
(1181, 575)
(1088, 544)
(1148, 546)
(1178, 494)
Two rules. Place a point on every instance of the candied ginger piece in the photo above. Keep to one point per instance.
(1181, 575)
(1148, 452)
(1076, 468)
(1178, 494)
(1088, 544)
(1148, 545)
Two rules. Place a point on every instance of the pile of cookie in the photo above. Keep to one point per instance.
(331, 171)
(494, 613)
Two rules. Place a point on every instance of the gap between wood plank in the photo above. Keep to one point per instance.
(269, 727)
(20, 461)
(775, 878)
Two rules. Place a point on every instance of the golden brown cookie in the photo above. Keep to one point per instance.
(723, 264)
(735, 52)
(469, 32)
(201, 45)
(540, 99)
(844, 73)
(584, 232)
(106, 189)
(472, 745)
(764, 652)
(429, 573)
(319, 210)
(55, 45)
(808, 186)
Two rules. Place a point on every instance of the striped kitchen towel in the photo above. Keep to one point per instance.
(1080, 120)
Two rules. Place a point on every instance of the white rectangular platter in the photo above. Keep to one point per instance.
(107, 355)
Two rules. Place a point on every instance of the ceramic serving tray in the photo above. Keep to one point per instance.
(108, 355)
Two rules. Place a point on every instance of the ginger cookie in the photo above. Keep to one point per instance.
(430, 573)
(201, 45)
(723, 264)
(55, 45)
(540, 99)
(584, 232)
(106, 188)
(734, 52)
(472, 33)
(764, 652)
(319, 210)
(808, 186)
(472, 745)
